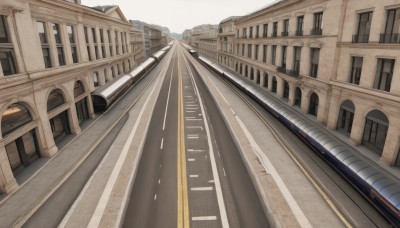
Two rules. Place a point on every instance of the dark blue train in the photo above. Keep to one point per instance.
(381, 189)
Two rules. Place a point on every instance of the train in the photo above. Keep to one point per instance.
(107, 94)
(379, 187)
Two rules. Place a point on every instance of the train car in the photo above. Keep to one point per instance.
(137, 73)
(148, 64)
(382, 190)
(104, 96)
(158, 55)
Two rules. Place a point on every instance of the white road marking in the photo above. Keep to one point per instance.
(204, 218)
(169, 91)
(223, 169)
(159, 181)
(192, 150)
(188, 96)
(193, 176)
(191, 159)
(191, 108)
(191, 105)
(155, 196)
(193, 119)
(162, 144)
(211, 181)
(190, 102)
(201, 189)
(190, 111)
(219, 155)
(220, 197)
(190, 117)
(195, 127)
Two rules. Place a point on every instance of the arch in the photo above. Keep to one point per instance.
(266, 78)
(15, 116)
(346, 116)
(252, 74)
(55, 99)
(79, 88)
(314, 103)
(274, 84)
(285, 89)
(297, 97)
(375, 130)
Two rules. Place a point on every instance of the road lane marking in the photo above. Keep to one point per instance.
(191, 108)
(191, 159)
(223, 169)
(159, 181)
(162, 143)
(220, 197)
(193, 176)
(192, 150)
(169, 91)
(194, 119)
(201, 189)
(204, 218)
(195, 127)
(190, 111)
(155, 197)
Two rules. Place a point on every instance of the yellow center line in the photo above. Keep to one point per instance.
(183, 204)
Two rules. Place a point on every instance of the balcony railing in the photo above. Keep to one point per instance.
(390, 38)
(274, 34)
(316, 31)
(285, 34)
(360, 38)
(299, 32)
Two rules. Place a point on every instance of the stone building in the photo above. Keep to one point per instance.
(137, 45)
(334, 61)
(53, 54)
(153, 40)
(186, 36)
(226, 41)
(204, 39)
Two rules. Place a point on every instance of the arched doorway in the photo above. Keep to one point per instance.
(375, 131)
(314, 101)
(59, 121)
(297, 97)
(246, 72)
(252, 74)
(80, 102)
(266, 78)
(274, 85)
(24, 150)
(285, 90)
(236, 67)
(258, 79)
(241, 69)
(346, 116)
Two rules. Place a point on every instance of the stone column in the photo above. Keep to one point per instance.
(73, 117)
(368, 77)
(66, 44)
(119, 42)
(91, 44)
(278, 60)
(390, 150)
(357, 130)
(98, 42)
(7, 179)
(112, 33)
(321, 107)
(289, 57)
(305, 61)
(333, 115)
(107, 53)
(279, 89)
(102, 79)
(52, 45)
(305, 101)
(81, 44)
(292, 90)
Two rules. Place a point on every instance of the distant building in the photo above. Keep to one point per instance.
(226, 41)
(137, 45)
(53, 54)
(187, 35)
(204, 39)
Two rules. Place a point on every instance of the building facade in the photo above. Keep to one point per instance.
(226, 41)
(137, 46)
(53, 54)
(335, 61)
(204, 39)
(153, 40)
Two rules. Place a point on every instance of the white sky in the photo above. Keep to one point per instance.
(179, 15)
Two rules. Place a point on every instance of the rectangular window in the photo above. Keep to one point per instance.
(110, 42)
(284, 53)
(299, 26)
(3, 30)
(237, 49)
(364, 28)
(256, 52)
(249, 50)
(355, 73)
(56, 32)
(101, 36)
(384, 74)
(7, 61)
(74, 55)
(42, 32)
(297, 59)
(265, 48)
(285, 31)
(257, 31)
(317, 26)
(86, 35)
(251, 32)
(46, 57)
(94, 35)
(245, 33)
(275, 29)
(314, 62)
(392, 28)
(60, 52)
(70, 32)
(273, 54)
(71, 37)
(242, 49)
(265, 32)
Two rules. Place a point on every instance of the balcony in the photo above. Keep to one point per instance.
(274, 34)
(285, 33)
(299, 32)
(360, 38)
(316, 32)
(390, 38)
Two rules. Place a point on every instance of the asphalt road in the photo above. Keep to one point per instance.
(191, 172)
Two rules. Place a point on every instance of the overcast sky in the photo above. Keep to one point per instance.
(179, 15)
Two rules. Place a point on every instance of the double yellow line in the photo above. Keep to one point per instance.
(183, 204)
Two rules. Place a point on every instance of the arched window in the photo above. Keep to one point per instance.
(236, 67)
(266, 80)
(375, 131)
(346, 116)
(274, 85)
(56, 99)
(297, 97)
(14, 117)
(258, 77)
(252, 74)
(241, 69)
(314, 101)
(286, 90)
(95, 79)
(246, 72)
(78, 89)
